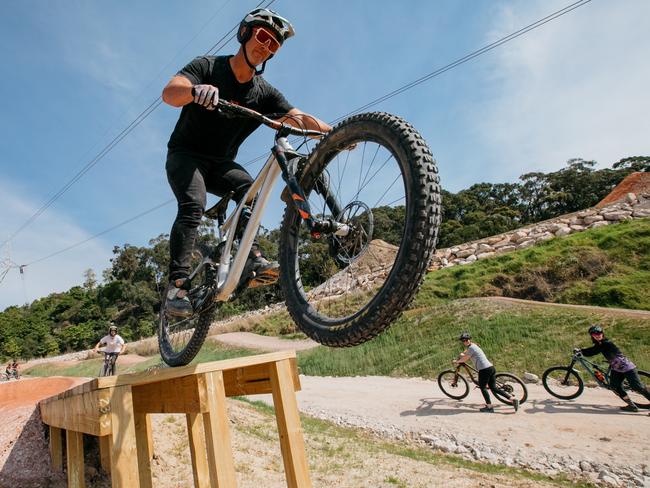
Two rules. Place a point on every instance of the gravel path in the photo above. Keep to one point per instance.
(588, 436)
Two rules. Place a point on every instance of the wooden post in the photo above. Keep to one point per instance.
(75, 453)
(56, 449)
(195, 432)
(286, 413)
(145, 448)
(105, 452)
(217, 433)
(124, 455)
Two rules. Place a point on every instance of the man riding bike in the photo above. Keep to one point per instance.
(486, 371)
(622, 367)
(114, 343)
(204, 143)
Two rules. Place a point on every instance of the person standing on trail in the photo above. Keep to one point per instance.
(622, 367)
(486, 371)
(204, 143)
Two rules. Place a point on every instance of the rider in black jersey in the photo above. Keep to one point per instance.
(204, 143)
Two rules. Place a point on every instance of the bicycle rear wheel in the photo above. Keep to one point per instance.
(638, 399)
(375, 173)
(453, 385)
(563, 383)
(513, 386)
(181, 338)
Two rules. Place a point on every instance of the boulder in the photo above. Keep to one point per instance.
(590, 219)
(600, 223)
(617, 215)
(531, 378)
(463, 253)
(563, 231)
(526, 243)
(506, 248)
(502, 243)
(484, 255)
(484, 248)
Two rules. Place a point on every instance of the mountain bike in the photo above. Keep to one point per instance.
(8, 376)
(357, 236)
(565, 382)
(109, 366)
(454, 384)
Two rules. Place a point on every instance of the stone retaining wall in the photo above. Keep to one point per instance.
(633, 207)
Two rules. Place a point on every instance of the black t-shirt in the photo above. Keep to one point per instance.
(209, 133)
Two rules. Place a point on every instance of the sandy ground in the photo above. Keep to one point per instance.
(262, 343)
(591, 425)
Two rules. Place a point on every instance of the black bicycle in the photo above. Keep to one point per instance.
(109, 366)
(565, 382)
(359, 230)
(454, 384)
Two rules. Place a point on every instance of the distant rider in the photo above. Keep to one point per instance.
(486, 371)
(114, 343)
(622, 367)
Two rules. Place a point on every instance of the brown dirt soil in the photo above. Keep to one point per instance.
(262, 343)
(633, 183)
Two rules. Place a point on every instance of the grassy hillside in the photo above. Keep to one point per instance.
(607, 266)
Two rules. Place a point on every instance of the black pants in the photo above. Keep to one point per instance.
(616, 382)
(487, 377)
(190, 178)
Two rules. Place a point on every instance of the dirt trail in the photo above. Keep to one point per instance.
(262, 343)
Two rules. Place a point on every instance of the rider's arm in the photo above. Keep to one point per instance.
(301, 120)
(178, 91)
(592, 351)
(463, 358)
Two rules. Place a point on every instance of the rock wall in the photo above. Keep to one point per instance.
(632, 207)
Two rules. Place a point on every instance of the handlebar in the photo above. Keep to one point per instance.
(281, 127)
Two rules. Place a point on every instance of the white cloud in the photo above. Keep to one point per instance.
(576, 87)
(51, 232)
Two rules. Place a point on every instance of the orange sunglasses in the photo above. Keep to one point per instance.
(267, 39)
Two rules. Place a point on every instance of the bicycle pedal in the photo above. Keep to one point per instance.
(264, 279)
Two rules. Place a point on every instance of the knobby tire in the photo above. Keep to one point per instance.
(461, 383)
(573, 376)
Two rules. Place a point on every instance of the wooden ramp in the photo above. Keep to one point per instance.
(117, 408)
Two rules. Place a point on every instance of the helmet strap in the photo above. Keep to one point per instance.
(251, 65)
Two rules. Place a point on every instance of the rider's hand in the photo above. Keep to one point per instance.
(206, 96)
(577, 350)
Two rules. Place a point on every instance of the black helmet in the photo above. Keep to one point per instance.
(595, 329)
(280, 26)
(465, 336)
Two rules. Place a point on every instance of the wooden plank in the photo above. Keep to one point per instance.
(124, 455)
(177, 395)
(253, 379)
(292, 443)
(155, 375)
(145, 448)
(105, 452)
(195, 432)
(75, 454)
(217, 433)
(56, 448)
(79, 413)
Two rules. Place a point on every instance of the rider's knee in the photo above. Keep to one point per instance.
(190, 213)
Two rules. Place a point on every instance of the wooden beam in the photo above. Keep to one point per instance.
(175, 395)
(145, 448)
(196, 434)
(105, 452)
(217, 432)
(124, 455)
(292, 443)
(56, 448)
(74, 443)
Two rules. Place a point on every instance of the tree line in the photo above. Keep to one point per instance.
(129, 294)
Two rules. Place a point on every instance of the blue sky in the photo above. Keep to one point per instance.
(76, 73)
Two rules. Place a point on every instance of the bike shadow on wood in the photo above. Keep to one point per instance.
(550, 406)
(447, 406)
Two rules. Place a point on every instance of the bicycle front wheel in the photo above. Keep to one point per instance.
(563, 383)
(513, 387)
(453, 385)
(639, 400)
(374, 173)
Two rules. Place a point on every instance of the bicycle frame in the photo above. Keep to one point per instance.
(590, 367)
(469, 370)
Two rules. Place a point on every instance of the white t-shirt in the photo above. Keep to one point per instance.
(479, 358)
(113, 344)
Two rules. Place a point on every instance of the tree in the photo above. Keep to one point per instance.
(90, 279)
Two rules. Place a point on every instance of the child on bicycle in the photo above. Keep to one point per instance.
(486, 371)
(204, 143)
(621, 367)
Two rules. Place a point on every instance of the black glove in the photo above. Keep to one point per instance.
(206, 96)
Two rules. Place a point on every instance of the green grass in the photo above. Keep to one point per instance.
(516, 338)
(607, 266)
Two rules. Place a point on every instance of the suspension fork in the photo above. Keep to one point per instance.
(316, 227)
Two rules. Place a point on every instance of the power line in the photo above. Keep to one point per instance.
(391, 94)
(454, 64)
(126, 131)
